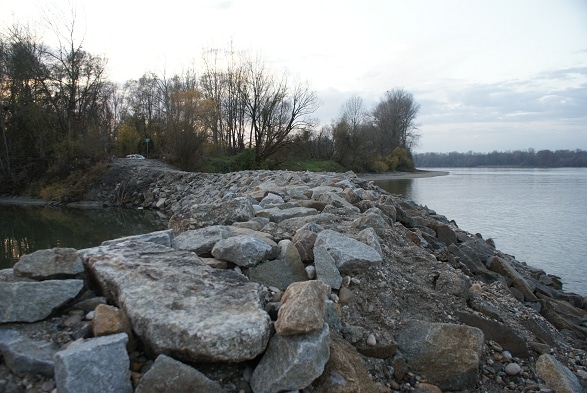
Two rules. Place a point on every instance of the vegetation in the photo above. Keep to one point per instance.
(528, 158)
(60, 116)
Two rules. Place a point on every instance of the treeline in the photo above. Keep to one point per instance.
(517, 158)
(60, 115)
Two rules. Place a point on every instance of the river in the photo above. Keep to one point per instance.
(537, 215)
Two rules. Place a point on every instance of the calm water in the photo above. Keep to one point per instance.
(24, 229)
(537, 215)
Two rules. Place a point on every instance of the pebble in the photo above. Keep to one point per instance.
(310, 272)
(345, 295)
(427, 387)
(513, 369)
(371, 341)
(506, 355)
(48, 386)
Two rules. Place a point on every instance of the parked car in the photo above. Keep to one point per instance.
(135, 157)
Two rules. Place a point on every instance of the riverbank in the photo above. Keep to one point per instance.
(398, 175)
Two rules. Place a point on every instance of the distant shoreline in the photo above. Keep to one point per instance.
(401, 175)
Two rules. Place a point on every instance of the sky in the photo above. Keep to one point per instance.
(488, 75)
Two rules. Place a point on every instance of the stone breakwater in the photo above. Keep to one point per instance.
(285, 281)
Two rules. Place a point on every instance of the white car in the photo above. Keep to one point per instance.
(135, 156)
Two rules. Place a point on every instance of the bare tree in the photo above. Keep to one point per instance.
(394, 119)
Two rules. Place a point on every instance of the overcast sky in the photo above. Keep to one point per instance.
(488, 75)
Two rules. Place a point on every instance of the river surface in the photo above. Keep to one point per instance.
(537, 215)
(24, 229)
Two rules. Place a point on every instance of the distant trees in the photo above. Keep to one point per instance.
(517, 158)
(379, 140)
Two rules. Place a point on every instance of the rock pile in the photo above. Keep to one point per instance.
(286, 281)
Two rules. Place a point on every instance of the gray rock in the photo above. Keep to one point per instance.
(446, 235)
(49, 264)
(180, 306)
(278, 215)
(557, 377)
(369, 237)
(302, 308)
(201, 241)
(349, 254)
(168, 375)
(242, 250)
(326, 270)
(279, 273)
(204, 215)
(165, 238)
(99, 365)
(449, 281)
(447, 354)
(372, 220)
(514, 279)
(304, 242)
(25, 356)
(292, 362)
(35, 301)
(498, 332)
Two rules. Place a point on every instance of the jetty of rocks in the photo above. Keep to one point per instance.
(280, 281)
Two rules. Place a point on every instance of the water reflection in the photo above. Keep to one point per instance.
(25, 229)
(401, 187)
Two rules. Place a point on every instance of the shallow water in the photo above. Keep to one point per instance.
(24, 229)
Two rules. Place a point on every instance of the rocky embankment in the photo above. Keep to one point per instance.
(285, 282)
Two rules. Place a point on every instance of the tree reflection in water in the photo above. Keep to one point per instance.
(25, 229)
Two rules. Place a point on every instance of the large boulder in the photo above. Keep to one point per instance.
(349, 254)
(178, 305)
(278, 215)
(292, 362)
(99, 365)
(49, 264)
(447, 354)
(32, 301)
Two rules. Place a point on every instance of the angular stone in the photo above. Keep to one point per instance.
(498, 332)
(345, 371)
(304, 242)
(349, 254)
(446, 235)
(326, 270)
(278, 215)
(180, 306)
(292, 362)
(201, 241)
(514, 278)
(242, 250)
(111, 320)
(35, 301)
(25, 356)
(277, 273)
(449, 281)
(370, 237)
(371, 220)
(338, 201)
(168, 375)
(447, 354)
(204, 215)
(49, 264)
(99, 365)
(165, 238)
(557, 377)
(302, 308)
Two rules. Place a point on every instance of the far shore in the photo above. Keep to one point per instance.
(401, 175)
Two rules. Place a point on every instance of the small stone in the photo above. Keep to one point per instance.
(48, 386)
(311, 272)
(506, 355)
(345, 295)
(513, 369)
(427, 387)
(371, 341)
